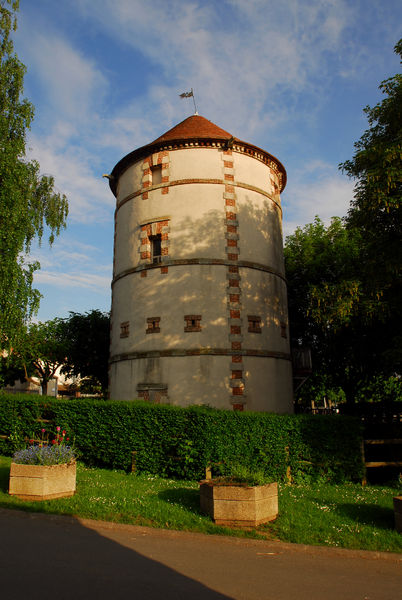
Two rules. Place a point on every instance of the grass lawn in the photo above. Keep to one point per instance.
(347, 516)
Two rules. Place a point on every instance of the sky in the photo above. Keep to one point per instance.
(291, 77)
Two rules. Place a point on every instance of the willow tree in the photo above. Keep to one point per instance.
(29, 205)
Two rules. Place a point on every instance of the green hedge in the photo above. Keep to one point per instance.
(180, 442)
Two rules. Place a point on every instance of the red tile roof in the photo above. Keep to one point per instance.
(194, 127)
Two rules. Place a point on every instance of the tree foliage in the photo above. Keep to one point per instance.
(42, 350)
(87, 354)
(376, 207)
(344, 281)
(326, 295)
(28, 201)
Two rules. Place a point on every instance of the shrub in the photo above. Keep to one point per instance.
(181, 442)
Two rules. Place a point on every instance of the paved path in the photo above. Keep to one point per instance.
(44, 556)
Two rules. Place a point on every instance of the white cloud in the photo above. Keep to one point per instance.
(240, 66)
(75, 279)
(71, 263)
(90, 199)
(319, 189)
(72, 82)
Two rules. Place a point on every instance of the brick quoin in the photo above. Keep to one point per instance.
(227, 152)
(234, 297)
(231, 216)
(229, 177)
(237, 391)
(144, 196)
(235, 329)
(165, 190)
(237, 358)
(234, 283)
(233, 269)
(228, 164)
(143, 273)
(238, 407)
(236, 345)
(232, 256)
(229, 189)
(231, 229)
(235, 314)
(237, 374)
(230, 202)
(164, 270)
(232, 243)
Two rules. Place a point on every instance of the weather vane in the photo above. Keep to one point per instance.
(190, 95)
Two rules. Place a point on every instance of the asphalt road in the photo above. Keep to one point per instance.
(62, 558)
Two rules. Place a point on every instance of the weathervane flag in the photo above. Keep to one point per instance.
(190, 94)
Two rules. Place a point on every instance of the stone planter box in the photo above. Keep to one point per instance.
(39, 482)
(398, 513)
(239, 505)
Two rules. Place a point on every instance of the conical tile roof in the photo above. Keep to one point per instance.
(193, 127)
(193, 131)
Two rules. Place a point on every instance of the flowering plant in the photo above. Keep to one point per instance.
(43, 453)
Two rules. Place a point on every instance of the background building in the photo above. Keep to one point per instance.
(199, 309)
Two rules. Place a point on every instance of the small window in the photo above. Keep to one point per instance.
(283, 330)
(153, 324)
(156, 174)
(124, 329)
(254, 324)
(156, 393)
(192, 323)
(156, 248)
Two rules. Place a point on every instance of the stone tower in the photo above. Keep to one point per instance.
(199, 310)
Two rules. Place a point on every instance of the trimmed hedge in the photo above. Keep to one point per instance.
(181, 442)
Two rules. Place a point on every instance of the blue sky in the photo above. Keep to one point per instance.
(291, 77)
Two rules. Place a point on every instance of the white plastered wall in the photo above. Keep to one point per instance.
(196, 214)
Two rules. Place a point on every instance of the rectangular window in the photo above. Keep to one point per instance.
(192, 323)
(283, 330)
(153, 324)
(156, 174)
(254, 324)
(157, 393)
(156, 248)
(124, 329)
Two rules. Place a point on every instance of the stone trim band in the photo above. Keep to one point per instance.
(203, 351)
(166, 186)
(200, 261)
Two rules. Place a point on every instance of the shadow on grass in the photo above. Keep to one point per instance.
(184, 497)
(368, 514)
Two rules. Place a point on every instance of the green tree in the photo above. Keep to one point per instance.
(325, 295)
(376, 211)
(42, 349)
(28, 202)
(87, 353)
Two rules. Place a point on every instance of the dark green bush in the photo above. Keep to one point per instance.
(181, 442)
